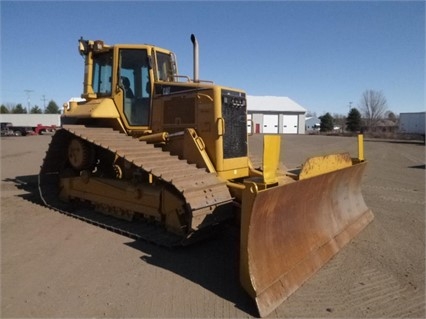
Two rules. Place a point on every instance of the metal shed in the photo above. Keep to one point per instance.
(275, 114)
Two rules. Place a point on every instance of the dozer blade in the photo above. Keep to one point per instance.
(289, 232)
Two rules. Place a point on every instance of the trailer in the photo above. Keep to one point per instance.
(412, 123)
(29, 124)
(8, 129)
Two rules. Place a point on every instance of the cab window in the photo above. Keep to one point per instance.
(164, 67)
(102, 72)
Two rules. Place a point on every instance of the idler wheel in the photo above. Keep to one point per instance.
(79, 154)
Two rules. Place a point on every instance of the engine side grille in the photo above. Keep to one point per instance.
(234, 112)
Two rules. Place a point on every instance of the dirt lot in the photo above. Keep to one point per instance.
(55, 266)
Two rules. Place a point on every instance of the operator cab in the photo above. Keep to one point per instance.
(126, 72)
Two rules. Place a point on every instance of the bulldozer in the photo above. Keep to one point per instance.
(165, 158)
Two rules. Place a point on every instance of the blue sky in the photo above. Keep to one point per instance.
(321, 54)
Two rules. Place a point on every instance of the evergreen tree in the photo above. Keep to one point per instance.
(353, 122)
(326, 124)
(36, 110)
(52, 108)
(19, 109)
(4, 109)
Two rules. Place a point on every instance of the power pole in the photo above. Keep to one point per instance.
(28, 99)
(44, 102)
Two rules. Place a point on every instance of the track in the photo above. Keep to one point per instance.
(203, 191)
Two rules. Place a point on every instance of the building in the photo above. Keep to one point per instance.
(275, 114)
(312, 124)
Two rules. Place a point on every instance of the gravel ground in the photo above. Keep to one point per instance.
(55, 266)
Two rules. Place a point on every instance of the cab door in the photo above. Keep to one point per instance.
(135, 84)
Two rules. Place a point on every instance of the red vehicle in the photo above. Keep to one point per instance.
(43, 129)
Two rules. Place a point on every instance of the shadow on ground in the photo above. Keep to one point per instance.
(423, 166)
(212, 263)
(391, 141)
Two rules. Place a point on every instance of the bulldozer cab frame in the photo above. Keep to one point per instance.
(126, 73)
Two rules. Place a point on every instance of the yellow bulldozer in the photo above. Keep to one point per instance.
(167, 158)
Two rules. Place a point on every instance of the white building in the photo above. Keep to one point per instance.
(312, 124)
(275, 114)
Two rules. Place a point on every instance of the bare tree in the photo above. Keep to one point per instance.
(391, 116)
(339, 120)
(373, 106)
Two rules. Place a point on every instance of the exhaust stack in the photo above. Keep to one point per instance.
(195, 52)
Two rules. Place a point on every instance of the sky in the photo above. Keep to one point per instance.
(321, 54)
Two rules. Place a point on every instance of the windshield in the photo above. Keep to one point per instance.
(102, 73)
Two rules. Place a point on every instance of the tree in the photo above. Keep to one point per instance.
(326, 124)
(52, 108)
(36, 110)
(4, 109)
(311, 114)
(391, 116)
(373, 105)
(339, 120)
(19, 109)
(353, 122)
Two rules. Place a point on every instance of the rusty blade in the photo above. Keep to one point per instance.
(289, 232)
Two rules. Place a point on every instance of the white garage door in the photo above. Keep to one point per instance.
(249, 124)
(270, 124)
(290, 124)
